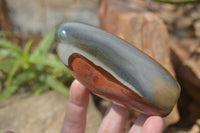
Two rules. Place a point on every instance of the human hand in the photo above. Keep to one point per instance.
(114, 120)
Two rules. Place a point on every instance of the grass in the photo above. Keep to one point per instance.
(39, 69)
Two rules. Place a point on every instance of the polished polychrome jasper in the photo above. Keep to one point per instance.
(111, 68)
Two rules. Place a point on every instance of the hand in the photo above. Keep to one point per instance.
(113, 122)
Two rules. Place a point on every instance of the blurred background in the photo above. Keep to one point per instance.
(34, 84)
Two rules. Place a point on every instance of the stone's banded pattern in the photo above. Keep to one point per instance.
(112, 68)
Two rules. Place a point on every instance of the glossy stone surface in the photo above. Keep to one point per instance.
(113, 69)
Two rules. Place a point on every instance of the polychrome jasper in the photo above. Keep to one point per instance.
(113, 69)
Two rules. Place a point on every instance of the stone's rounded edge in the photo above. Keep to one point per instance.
(102, 84)
(61, 38)
(74, 33)
(61, 35)
(168, 90)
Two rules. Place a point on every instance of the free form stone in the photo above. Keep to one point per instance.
(113, 69)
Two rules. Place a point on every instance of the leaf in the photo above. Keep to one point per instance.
(45, 45)
(16, 66)
(4, 53)
(39, 88)
(12, 47)
(27, 47)
(56, 65)
(65, 71)
(56, 85)
(24, 67)
(19, 80)
(5, 34)
(8, 63)
(47, 62)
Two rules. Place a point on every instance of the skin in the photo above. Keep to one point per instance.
(114, 119)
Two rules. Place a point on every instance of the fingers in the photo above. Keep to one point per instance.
(114, 120)
(137, 127)
(153, 124)
(75, 119)
(148, 124)
(8, 132)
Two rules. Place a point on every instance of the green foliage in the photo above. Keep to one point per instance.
(20, 67)
(178, 2)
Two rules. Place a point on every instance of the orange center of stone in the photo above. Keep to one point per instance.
(101, 83)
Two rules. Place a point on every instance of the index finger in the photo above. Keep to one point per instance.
(148, 124)
(75, 118)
